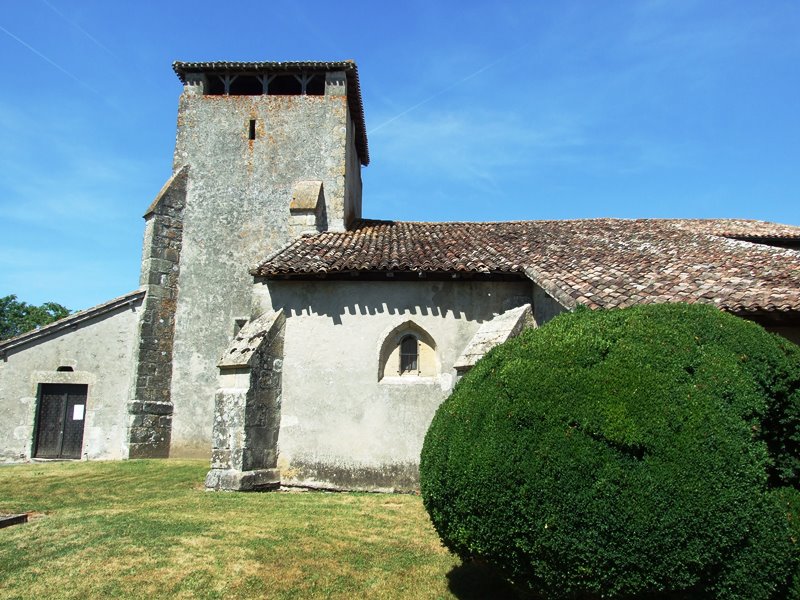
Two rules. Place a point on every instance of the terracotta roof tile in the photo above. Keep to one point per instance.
(597, 262)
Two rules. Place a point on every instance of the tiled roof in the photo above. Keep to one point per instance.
(597, 262)
(348, 66)
(741, 229)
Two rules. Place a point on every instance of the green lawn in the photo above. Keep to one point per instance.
(146, 529)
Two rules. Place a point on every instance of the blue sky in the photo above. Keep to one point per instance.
(475, 111)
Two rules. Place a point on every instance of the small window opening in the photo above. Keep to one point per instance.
(237, 326)
(246, 85)
(315, 86)
(285, 85)
(65, 369)
(409, 354)
(215, 86)
(251, 135)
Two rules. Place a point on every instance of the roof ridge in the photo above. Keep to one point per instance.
(665, 220)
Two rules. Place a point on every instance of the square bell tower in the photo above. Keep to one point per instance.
(258, 143)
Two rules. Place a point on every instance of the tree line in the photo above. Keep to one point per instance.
(17, 317)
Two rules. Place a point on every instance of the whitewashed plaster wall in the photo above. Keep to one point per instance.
(342, 426)
(101, 352)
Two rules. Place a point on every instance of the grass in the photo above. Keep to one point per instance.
(148, 529)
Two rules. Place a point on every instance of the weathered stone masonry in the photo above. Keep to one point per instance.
(247, 408)
(151, 407)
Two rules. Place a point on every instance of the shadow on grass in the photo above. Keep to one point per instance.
(474, 581)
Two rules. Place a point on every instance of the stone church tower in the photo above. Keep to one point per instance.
(264, 152)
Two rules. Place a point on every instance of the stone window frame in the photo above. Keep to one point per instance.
(390, 368)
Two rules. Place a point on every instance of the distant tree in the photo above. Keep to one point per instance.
(18, 317)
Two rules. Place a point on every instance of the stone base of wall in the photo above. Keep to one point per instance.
(150, 429)
(342, 476)
(261, 480)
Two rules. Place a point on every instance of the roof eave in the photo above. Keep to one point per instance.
(387, 274)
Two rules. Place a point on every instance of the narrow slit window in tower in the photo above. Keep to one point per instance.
(251, 134)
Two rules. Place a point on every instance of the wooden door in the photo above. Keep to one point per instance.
(59, 425)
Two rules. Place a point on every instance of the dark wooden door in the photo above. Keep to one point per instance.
(59, 425)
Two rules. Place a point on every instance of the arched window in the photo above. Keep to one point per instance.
(407, 352)
(409, 355)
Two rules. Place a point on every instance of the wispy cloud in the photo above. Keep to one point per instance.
(447, 88)
(49, 60)
(477, 146)
(53, 181)
(75, 25)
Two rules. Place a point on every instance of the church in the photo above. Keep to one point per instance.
(293, 342)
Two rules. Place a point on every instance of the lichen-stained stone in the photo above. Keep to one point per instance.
(247, 408)
(306, 196)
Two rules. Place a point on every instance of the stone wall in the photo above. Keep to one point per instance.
(343, 425)
(151, 407)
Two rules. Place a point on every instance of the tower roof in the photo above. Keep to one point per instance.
(348, 66)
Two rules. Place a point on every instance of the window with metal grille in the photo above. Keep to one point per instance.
(409, 354)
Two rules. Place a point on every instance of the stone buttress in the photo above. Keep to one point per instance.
(151, 408)
(247, 408)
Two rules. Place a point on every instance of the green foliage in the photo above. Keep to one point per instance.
(789, 499)
(629, 453)
(18, 317)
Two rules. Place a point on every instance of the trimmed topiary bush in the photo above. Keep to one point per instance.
(628, 453)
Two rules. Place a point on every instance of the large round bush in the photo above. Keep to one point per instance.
(624, 453)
